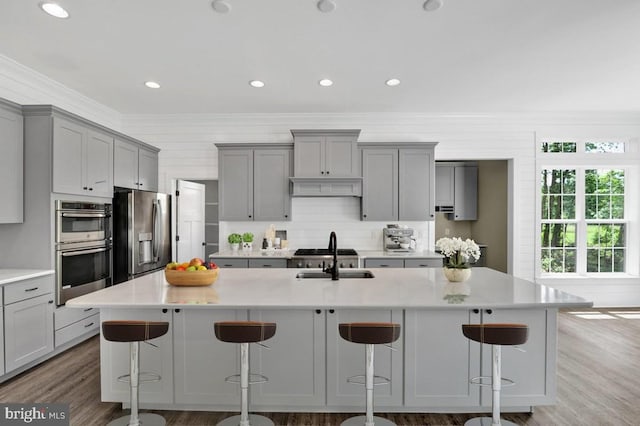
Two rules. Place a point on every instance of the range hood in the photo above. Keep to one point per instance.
(326, 163)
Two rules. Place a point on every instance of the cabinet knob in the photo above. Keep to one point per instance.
(327, 171)
(50, 302)
(204, 244)
(90, 189)
(140, 184)
(364, 215)
(286, 215)
(85, 188)
(165, 310)
(321, 173)
(249, 215)
(476, 311)
(318, 311)
(177, 311)
(489, 311)
(331, 311)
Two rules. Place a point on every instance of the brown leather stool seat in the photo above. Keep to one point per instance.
(372, 333)
(369, 334)
(497, 334)
(244, 331)
(133, 331)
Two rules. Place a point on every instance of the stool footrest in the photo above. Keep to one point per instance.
(253, 379)
(143, 377)
(480, 381)
(360, 379)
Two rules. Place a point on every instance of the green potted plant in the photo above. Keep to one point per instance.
(235, 240)
(247, 241)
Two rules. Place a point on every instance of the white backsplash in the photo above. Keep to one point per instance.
(315, 217)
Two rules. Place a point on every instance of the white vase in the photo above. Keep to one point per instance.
(247, 246)
(457, 275)
(235, 246)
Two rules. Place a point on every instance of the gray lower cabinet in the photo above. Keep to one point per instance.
(346, 359)
(82, 159)
(391, 262)
(157, 359)
(202, 362)
(254, 182)
(69, 324)
(267, 263)
(11, 163)
(383, 263)
(134, 167)
(423, 263)
(224, 262)
(439, 360)
(28, 321)
(294, 362)
(398, 181)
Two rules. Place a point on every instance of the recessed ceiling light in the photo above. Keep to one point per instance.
(152, 85)
(325, 82)
(326, 6)
(220, 6)
(54, 9)
(392, 82)
(431, 5)
(256, 83)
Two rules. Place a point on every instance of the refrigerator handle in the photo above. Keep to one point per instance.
(156, 229)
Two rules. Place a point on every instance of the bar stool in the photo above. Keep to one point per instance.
(135, 332)
(245, 332)
(369, 334)
(497, 335)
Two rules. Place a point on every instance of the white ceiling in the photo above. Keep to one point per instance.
(469, 56)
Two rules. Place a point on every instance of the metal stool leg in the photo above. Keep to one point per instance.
(496, 387)
(245, 419)
(136, 419)
(368, 419)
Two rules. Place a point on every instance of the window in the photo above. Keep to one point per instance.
(583, 219)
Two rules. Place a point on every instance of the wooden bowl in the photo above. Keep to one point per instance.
(191, 278)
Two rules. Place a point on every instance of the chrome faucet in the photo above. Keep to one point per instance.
(333, 247)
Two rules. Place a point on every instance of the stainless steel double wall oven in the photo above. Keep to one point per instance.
(83, 248)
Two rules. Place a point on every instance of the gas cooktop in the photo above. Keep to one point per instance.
(324, 252)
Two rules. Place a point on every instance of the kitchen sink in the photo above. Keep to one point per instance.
(343, 274)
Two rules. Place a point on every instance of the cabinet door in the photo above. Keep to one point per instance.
(466, 193)
(294, 362)
(28, 330)
(11, 167)
(309, 152)
(158, 359)
(272, 169)
(533, 371)
(201, 361)
(68, 157)
(444, 185)
(341, 157)
(384, 263)
(267, 263)
(346, 359)
(380, 184)
(99, 168)
(2, 345)
(416, 180)
(148, 170)
(439, 360)
(125, 165)
(235, 180)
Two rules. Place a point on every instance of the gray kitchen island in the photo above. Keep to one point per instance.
(308, 363)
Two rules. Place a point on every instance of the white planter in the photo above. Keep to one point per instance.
(235, 246)
(247, 246)
(457, 275)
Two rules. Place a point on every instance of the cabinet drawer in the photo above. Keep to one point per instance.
(28, 289)
(64, 316)
(267, 263)
(232, 263)
(384, 263)
(77, 329)
(423, 263)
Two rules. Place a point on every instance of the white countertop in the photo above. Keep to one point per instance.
(286, 254)
(8, 276)
(246, 288)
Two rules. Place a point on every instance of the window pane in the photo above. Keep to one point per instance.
(558, 146)
(592, 260)
(604, 147)
(604, 206)
(600, 187)
(555, 207)
(606, 247)
(606, 264)
(570, 261)
(618, 260)
(591, 207)
(617, 207)
(569, 181)
(570, 235)
(545, 207)
(568, 207)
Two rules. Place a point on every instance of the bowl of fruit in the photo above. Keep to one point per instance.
(193, 273)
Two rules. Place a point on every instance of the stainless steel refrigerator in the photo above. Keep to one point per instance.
(141, 233)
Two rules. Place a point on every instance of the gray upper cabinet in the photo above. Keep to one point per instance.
(326, 153)
(254, 182)
(11, 163)
(134, 167)
(398, 181)
(457, 190)
(379, 184)
(82, 160)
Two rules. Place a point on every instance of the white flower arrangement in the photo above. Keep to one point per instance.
(458, 252)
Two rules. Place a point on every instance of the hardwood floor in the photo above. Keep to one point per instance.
(598, 381)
